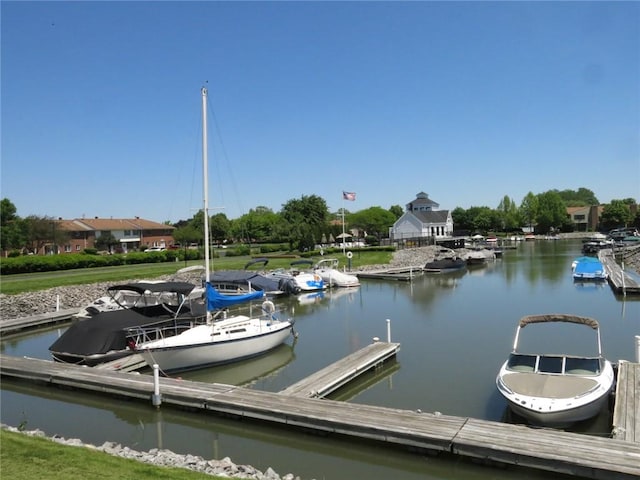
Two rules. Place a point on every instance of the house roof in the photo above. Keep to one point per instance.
(421, 200)
(574, 210)
(110, 224)
(432, 216)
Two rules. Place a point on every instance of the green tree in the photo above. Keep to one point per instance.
(106, 241)
(583, 197)
(258, 224)
(396, 210)
(307, 218)
(461, 219)
(529, 209)
(13, 235)
(552, 212)
(40, 232)
(220, 227)
(187, 234)
(509, 214)
(374, 220)
(615, 214)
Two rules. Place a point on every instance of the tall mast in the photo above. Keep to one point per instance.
(205, 183)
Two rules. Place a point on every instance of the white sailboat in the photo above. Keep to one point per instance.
(220, 340)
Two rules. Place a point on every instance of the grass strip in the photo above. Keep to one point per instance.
(31, 282)
(25, 457)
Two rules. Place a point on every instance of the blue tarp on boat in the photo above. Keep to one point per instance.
(591, 269)
(216, 300)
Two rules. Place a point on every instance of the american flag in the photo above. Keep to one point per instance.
(349, 196)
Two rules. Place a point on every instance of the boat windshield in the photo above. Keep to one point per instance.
(550, 364)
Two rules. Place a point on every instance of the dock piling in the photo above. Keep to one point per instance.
(388, 330)
(156, 399)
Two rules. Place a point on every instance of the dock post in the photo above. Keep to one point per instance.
(388, 331)
(57, 303)
(637, 348)
(156, 399)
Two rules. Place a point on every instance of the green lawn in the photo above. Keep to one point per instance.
(24, 457)
(29, 282)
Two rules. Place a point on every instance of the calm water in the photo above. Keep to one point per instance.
(454, 330)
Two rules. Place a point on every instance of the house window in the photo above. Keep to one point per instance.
(67, 248)
(77, 248)
(579, 217)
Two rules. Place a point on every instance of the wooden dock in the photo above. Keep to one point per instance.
(626, 414)
(403, 274)
(620, 280)
(543, 449)
(338, 374)
(12, 326)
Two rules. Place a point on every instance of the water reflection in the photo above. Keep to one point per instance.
(246, 372)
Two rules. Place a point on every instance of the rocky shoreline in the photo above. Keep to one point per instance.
(167, 458)
(77, 296)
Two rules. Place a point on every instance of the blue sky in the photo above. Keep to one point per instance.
(466, 101)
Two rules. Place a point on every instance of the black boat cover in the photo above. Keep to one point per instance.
(101, 333)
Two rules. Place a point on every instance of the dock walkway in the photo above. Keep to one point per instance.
(11, 326)
(543, 449)
(626, 414)
(338, 374)
(403, 274)
(620, 280)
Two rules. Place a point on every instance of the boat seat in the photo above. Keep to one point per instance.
(582, 366)
(521, 363)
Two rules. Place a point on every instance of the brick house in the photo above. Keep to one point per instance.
(131, 233)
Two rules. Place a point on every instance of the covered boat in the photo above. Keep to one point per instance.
(327, 268)
(588, 268)
(556, 389)
(445, 265)
(103, 336)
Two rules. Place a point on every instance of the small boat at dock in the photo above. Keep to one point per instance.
(555, 390)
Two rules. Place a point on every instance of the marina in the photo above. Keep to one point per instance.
(452, 339)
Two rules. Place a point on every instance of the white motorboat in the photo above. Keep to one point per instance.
(222, 339)
(305, 281)
(141, 296)
(327, 268)
(555, 390)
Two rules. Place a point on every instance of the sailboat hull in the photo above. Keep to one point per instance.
(196, 349)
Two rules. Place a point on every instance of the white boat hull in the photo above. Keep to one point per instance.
(557, 410)
(336, 278)
(196, 349)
